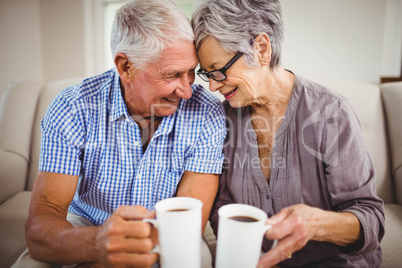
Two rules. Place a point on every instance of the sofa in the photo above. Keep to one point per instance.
(23, 105)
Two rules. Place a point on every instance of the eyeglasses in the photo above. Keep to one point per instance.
(219, 75)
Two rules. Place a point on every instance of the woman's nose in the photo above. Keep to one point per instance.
(214, 85)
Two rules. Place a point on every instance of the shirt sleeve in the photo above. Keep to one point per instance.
(62, 138)
(223, 197)
(207, 156)
(350, 175)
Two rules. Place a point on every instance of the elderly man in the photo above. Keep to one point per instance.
(119, 142)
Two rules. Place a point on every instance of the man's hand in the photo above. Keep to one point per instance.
(122, 241)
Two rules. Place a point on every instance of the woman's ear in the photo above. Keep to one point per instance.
(123, 66)
(262, 46)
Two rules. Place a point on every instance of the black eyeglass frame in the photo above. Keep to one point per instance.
(206, 75)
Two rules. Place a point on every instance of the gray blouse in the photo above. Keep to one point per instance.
(319, 158)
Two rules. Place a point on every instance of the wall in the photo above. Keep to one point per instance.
(62, 33)
(340, 39)
(335, 39)
(20, 45)
(356, 40)
(392, 48)
(41, 40)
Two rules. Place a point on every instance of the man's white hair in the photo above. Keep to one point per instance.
(142, 29)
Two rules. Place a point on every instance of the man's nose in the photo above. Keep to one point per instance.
(184, 91)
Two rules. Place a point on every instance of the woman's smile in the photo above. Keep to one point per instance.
(230, 94)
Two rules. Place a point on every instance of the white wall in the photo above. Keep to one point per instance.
(62, 34)
(20, 45)
(357, 40)
(340, 39)
(41, 40)
(392, 49)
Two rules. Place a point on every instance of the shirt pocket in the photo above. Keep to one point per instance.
(166, 184)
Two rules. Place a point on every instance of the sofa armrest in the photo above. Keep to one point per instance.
(391, 243)
(392, 99)
(48, 93)
(17, 110)
(13, 214)
(13, 173)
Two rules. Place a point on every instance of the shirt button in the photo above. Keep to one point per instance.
(136, 143)
(267, 197)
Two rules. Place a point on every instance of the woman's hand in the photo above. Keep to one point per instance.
(294, 226)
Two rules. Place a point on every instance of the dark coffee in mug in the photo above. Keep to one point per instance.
(243, 218)
(178, 210)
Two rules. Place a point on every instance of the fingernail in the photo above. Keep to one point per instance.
(150, 213)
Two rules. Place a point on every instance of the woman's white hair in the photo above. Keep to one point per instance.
(235, 24)
(142, 29)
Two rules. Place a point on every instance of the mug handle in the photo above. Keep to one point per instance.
(266, 228)
(157, 248)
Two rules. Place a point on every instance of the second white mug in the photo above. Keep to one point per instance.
(240, 233)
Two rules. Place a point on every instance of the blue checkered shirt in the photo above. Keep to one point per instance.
(87, 131)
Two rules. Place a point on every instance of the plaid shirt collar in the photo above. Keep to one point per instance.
(118, 107)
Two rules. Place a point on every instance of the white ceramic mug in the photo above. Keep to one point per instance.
(179, 223)
(239, 240)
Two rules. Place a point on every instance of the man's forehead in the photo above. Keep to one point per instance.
(178, 63)
(180, 48)
(180, 55)
(174, 67)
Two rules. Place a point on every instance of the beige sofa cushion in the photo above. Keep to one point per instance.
(18, 107)
(13, 214)
(365, 98)
(391, 243)
(17, 110)
(392, 97)
(13, 171)
(49, 92)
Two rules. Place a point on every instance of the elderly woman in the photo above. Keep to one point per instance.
(294, 148)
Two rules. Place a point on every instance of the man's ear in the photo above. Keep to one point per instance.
(123, 67)
(262, 46)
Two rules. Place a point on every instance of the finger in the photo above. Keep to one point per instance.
(130, 259)
(281, 252)
(154, 236)
(277, 217)
(138, 229)
(131, 245)
(282, 229)
(125, 228)
(134, 212)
